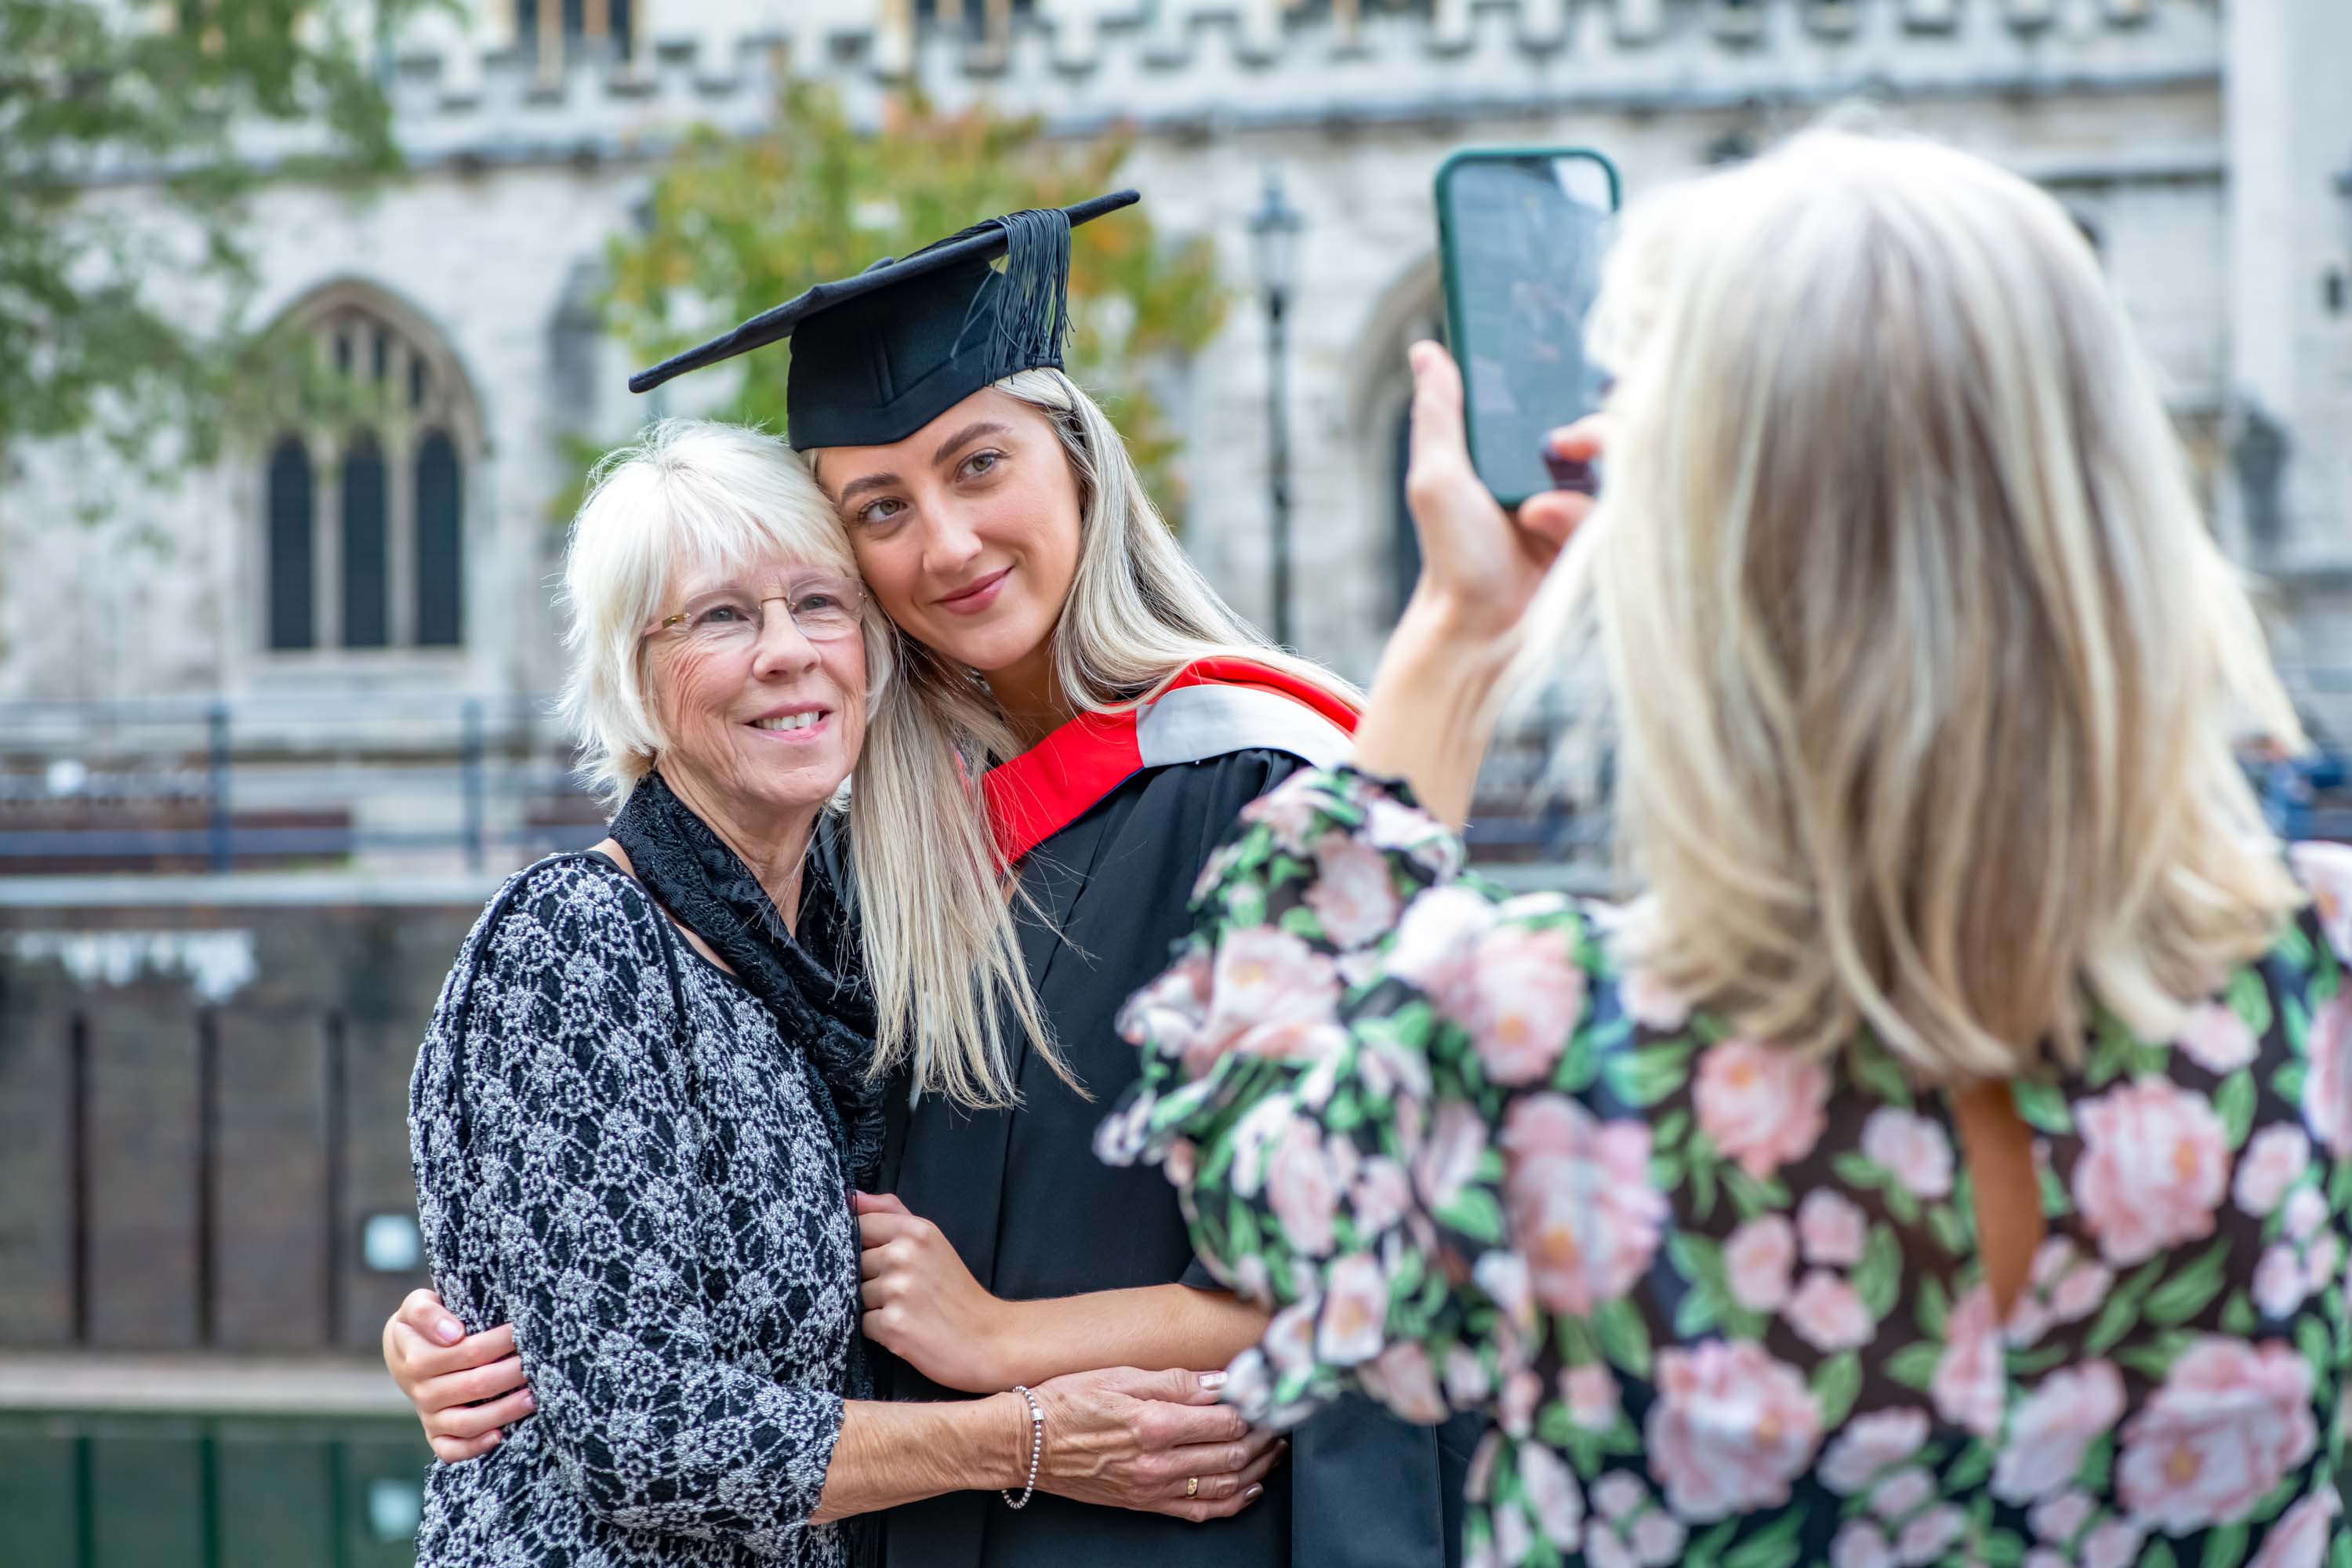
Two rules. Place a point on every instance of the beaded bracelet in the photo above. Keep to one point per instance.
(1036, 1448)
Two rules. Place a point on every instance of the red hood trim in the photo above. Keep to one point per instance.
(1062, 777)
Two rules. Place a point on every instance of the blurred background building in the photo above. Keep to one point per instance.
(391, 565)
(272, 722)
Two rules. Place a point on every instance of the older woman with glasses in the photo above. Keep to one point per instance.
(643, 1102)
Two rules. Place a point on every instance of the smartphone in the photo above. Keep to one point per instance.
(1519, 236)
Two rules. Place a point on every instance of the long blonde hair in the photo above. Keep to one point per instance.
(941, 942)
(1926, 670)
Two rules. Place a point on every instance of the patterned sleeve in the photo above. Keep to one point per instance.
(584, 1152)
(1347, 1048)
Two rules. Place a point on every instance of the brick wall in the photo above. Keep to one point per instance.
(319, 1025)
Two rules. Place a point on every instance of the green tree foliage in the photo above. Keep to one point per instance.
(127, 137)
(735, 225)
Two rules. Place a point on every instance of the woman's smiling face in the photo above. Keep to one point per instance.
(966, 531)
(763, 720)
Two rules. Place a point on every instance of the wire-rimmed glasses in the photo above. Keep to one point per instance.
(823, 606)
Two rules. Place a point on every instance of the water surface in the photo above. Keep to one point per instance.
(121, 1491)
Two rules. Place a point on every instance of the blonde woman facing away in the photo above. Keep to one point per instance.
(1946, 1157)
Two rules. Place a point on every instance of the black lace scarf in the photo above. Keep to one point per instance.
(812, 983)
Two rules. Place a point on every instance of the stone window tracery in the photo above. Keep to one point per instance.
(985, 20)
(363, 535)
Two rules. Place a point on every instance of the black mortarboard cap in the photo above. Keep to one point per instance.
(879, 356)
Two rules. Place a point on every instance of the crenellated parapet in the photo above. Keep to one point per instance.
(505, 74)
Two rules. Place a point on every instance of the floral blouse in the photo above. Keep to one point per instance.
(1724, 1303)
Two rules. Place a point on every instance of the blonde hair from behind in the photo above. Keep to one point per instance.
(942, 940)
(1926, 670)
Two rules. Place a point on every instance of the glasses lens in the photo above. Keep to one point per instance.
(826, 608)
(723, 624)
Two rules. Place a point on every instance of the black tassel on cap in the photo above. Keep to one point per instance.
(1032, 294)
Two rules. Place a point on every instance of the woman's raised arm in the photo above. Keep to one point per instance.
(1431, 708)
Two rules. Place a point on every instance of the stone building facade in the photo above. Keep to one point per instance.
(2207, 145)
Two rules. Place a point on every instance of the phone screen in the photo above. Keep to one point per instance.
(1522, 238)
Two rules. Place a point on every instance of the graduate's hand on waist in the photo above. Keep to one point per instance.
(1155, 1441)
(465, 1386)
(922, 1304)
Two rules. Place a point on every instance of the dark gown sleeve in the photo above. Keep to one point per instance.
(580, 1130)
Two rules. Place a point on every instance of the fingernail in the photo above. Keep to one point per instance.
(529, 1400)
(449, 1330)
(1212, 1380)
(1569, 473)
(1251, 1495)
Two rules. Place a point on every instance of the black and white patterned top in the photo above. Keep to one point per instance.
(616, 1150)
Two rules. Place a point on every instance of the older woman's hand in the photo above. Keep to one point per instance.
(465, 1386)
(1154, 1441)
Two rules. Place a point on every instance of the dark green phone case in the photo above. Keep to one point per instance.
(1451, 276)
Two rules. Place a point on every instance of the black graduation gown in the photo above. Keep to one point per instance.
(1033, 1214)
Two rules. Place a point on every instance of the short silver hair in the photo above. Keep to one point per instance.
(691, 496)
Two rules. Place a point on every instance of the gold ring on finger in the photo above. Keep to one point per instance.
(1192, 1486)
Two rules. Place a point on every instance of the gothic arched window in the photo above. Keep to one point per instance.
(363, 544)
(1404, 541)
(981, 19)
(553, 30)
(291, 584)
(363, 539)
(440, 542)
(1411, 311)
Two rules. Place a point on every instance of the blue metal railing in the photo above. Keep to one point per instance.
(211, 784)
(217, 783)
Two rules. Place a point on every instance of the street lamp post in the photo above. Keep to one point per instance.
(1273, 230)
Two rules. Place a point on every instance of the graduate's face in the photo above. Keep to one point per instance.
(967, 531)
(761, 719)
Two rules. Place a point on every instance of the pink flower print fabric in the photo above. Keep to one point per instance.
(1721, 1301)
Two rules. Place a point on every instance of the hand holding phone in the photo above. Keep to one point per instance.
(1431, 708)
(1521, 232)
(1481, 566)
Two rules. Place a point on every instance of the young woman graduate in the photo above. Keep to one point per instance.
(1098, 718)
